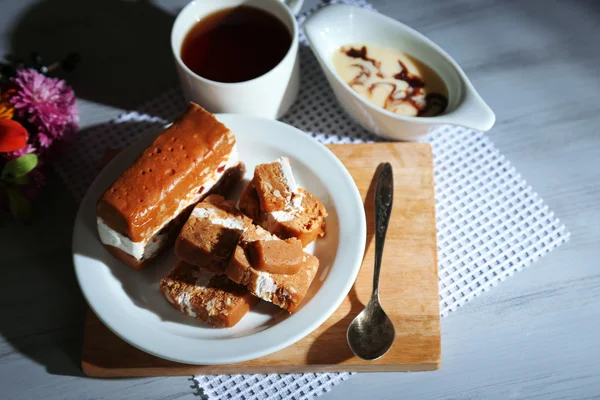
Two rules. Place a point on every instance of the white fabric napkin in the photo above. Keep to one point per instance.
(490, 222)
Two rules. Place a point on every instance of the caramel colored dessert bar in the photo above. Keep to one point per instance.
(205, 296)
(286, 291)
(276, 256)
(274, 201)
(275, 185)
(250, 203)
(211, 234)
(305, 221)
(142, 211)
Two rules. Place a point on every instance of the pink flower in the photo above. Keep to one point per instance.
(44, 140)
(48, 104)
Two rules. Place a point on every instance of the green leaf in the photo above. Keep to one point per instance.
(19, 206)
(20, 166)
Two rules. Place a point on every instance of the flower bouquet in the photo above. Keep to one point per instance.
(38, 116)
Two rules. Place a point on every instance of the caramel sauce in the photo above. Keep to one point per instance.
(412, 80)
(424, 99)
(362, 54)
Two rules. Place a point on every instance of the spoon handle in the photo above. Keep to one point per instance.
(384, 195)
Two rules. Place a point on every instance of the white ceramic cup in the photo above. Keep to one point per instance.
(269, 95)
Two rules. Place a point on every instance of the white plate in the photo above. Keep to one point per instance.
(130, 303)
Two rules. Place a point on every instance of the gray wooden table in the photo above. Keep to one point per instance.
(536, 62)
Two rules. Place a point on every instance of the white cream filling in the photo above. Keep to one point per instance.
(286, 170)
(281, 216)
(146, 248)
(287, 214)
(265, 286)
(212, 216)
(155, 244)
(184, 302)
(296, 201)
(138, 250)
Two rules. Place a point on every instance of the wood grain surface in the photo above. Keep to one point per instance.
(408, 288)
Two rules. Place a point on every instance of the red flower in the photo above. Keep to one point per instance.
(12, 135)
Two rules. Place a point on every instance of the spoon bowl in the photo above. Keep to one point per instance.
(372, 333)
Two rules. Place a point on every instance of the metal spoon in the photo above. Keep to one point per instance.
(372, 333)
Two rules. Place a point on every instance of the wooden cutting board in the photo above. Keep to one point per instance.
(408, 288)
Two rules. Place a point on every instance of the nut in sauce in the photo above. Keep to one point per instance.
(392, 80)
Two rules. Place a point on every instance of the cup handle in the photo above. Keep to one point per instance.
(294, 5)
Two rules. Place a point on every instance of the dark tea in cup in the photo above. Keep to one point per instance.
(235, 44)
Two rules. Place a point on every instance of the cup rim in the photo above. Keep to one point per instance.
(290, 53)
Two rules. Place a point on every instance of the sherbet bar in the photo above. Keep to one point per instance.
(275, 185)
(274, 201)
(285, 291)
(142, 211)
(205, 296)
(211, 233)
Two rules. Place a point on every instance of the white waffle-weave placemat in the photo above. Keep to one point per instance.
(490, 222)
